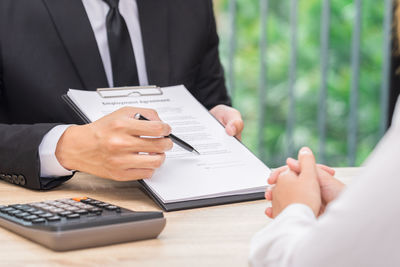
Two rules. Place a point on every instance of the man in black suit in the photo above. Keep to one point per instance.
(48, 46)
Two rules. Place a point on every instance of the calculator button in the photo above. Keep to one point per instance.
(10, 210)
(26, 208)
(73, 216)
(46, 207)
(15, 212)
(23, 214)
(65, 213)
(72, 209)
(64, 206)
(16, 206)
(78, 199)
(40, 220)
(81, 212)
(6, 209)
(56, 210)
(46, 215)
(30, 217)
(111, 207)
(54, 219)
(30, 209)
(103, 205)
(2, 207)
(38, 204)
(95, 210)
(38, 212)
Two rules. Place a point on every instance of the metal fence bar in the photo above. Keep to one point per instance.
(325, 34)
(263, 77)
(355, 62)
(292, 76)
(232, 47)
(387, 49)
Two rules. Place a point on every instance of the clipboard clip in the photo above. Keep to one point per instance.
(133, 91)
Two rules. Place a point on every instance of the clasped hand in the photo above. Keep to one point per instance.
(302, 181)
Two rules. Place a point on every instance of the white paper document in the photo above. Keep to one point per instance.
(224, 167)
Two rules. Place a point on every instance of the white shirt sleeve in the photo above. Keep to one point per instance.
(49, 165)
(273, 245)
(360, 228)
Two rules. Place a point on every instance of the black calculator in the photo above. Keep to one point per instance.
(75, 223)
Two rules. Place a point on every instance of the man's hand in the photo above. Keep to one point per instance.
(230, 118)
(113, 146)
(291, 187)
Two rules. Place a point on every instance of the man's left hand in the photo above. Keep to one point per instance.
(230, 118)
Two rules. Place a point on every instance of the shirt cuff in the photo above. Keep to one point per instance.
(49, 165)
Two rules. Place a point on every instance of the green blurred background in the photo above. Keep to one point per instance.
(247, 75)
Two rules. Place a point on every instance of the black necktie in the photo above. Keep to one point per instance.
(122, 56)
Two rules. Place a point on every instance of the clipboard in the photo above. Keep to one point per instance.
(135, 92)
(114, 92)
(200, 203)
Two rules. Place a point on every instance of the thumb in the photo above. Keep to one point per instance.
(231, 128)
(307, 163)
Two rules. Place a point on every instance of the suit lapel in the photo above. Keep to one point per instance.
(153, 16)
(75, 31)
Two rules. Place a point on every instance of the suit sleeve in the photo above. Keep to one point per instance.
(210, 80)
(19, 156)
(19, 145)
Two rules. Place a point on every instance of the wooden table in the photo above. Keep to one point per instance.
(215, 236)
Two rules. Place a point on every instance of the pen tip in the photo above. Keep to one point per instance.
(196, 152)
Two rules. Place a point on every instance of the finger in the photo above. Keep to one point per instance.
(122, 144)
(268, 212)
(145, 128)
(294, 165)
(150, 145)
(307, 163)
(139, 161)
(275, 174)
(327, 169)
(132, 174)
(234, 127)
(287, 173)
(268, 195)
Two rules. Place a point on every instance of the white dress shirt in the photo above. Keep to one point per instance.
(360, 228)
(97, 12)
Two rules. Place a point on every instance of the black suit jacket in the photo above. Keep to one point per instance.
(48, 46)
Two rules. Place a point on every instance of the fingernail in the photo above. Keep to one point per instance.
(305, 151)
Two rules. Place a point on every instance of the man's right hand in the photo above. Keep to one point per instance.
(113, 147)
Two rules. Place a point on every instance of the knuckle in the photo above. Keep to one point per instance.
(117, 124)
(150, 113)
(114, 143)
(161, 129)
(157, 161)
(167, 144)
